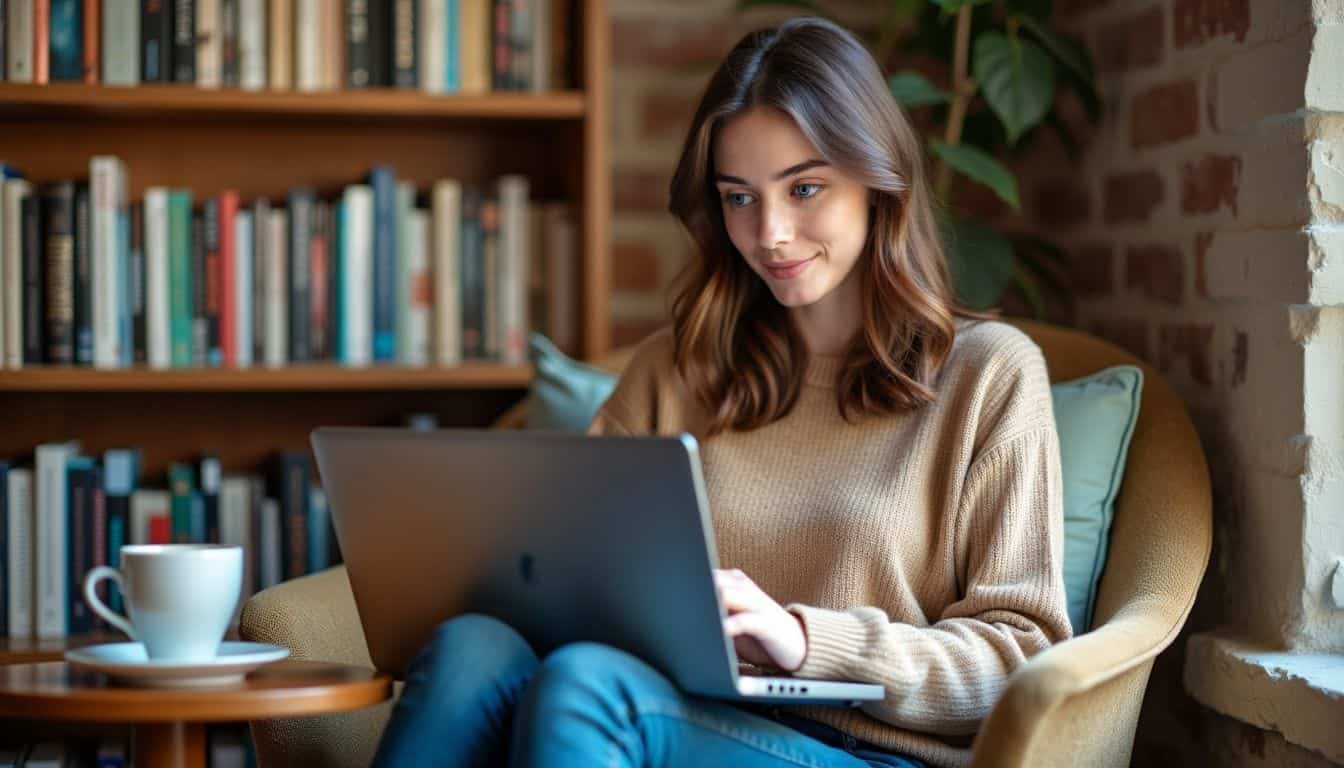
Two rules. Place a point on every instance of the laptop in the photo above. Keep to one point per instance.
(565, 537)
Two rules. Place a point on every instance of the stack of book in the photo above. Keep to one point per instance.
(377, 274)
(436, 46)
(64, 512)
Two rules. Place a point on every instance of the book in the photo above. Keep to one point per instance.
(446, 250)
(121, 477)
(156, 36)
(51, 542)
(280, 48)
(515, 266)
(276, 350)
(252, 49)
(20, 534)
(121, 48)
(107, 182)
(301, 204)
(209, 44)
(182, 489)
(180, 297)
(58, 214)
(19, 39)
(356, 268)
(289, 486)
(66, 38)
(11, 268)
(4, 550)
(242, 292)
(34, 262)
(419, 291)
(405, 62)
(383, 183)
(159, 334)
(82, 284)
(183, 56)
(151, 516)
(358, 66)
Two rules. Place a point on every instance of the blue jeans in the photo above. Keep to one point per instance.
(477, 695)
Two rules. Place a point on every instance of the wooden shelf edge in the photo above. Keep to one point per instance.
(297, 378)
(132, 101)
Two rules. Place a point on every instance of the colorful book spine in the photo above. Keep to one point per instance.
(66, 38)
(179, 272)
(82, 284)
(384, 264)
(59, 272)
(20, 586)
(182, 488)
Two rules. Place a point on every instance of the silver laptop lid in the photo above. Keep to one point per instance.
(565, 537)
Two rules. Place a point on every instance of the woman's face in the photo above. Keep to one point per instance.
(799, 223)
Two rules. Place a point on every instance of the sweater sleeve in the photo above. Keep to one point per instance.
(944, 678)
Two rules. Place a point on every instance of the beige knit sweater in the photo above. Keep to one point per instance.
(922, 551)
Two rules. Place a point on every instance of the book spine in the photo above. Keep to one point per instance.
(19, 535)
(19, 41)
(520, 45)
(380, 38)
(83, 277)
(280, 58)
(184, 41)
(357, 64)
(490, 272)
(228, 283)
(79, 543)
(121, 475)
(4, 522)
(158, 279)
(452, 47)
(91, 27)
(252, 45)
(384, 264)
(51, 542)
(277, 290)
(34, 281)
(213, 230)
(420, 292)
(108, 189)
(291, 489)
(200, 327)
(514, 267)
(182, 486)
(66, 38)
(210, 476)
(179, 270)
(138, 289)
(121, 42)
(209, 44)
(156, 34)
(41, 41)
(242, 290)
(307, 46)
(432, 46)
(230, 27)
(261, 217)
(59, 264)
(300, 274)
(405, 203)
(319, 303)
(357, 276)
(446, 248)
(473, 280)
(332, 315)
(500, 45)
(15, 192)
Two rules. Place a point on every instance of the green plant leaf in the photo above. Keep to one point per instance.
(952, 6)
(912, 89)
(981, 261)
(1017, 78)
(811, 6)
(980, 168)
(1066, 51)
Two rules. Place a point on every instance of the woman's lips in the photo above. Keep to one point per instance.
(788, 269)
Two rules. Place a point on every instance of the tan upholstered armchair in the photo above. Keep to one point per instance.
(1075, 704)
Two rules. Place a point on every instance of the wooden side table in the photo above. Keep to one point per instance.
(168, 724)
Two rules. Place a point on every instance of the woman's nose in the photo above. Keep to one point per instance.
(776, 226)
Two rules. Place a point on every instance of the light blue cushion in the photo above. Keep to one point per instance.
(565, 394)
(1094, 417)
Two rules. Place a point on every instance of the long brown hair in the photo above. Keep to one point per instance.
(736, 346)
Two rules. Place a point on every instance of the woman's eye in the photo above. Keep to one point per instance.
(806, 190)
(738, 199)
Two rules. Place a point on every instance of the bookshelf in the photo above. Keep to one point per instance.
(261, 143)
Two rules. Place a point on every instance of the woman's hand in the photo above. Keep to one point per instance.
(762, 631)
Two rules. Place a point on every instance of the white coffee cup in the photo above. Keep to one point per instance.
(179, 597)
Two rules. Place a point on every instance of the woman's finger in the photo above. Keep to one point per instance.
(753, 624)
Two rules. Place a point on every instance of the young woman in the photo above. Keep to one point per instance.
(882, 467)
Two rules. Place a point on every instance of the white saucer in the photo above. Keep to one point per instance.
(127, 663)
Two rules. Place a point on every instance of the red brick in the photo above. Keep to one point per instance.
(634, 267)
(1091, 267)
(1131, 43)
(667, 115)
(1164, 113)
(1202, 242)
(1131, 197)
(627, 332)
(640, 191)
(1195, 21)
(1063, 204)
(1188, 341)
(1156, 271)
(1128, 333)
(1210, 184)
(672, 43)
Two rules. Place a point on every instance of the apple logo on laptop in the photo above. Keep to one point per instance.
(525, 567)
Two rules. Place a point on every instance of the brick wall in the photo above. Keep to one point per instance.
(1201, 241)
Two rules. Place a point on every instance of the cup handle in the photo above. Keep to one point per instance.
(91, 597)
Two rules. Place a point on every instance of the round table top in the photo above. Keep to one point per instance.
(58, 691)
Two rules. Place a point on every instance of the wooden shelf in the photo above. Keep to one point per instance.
(31, 651)
(294, 378)
(153, 100)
